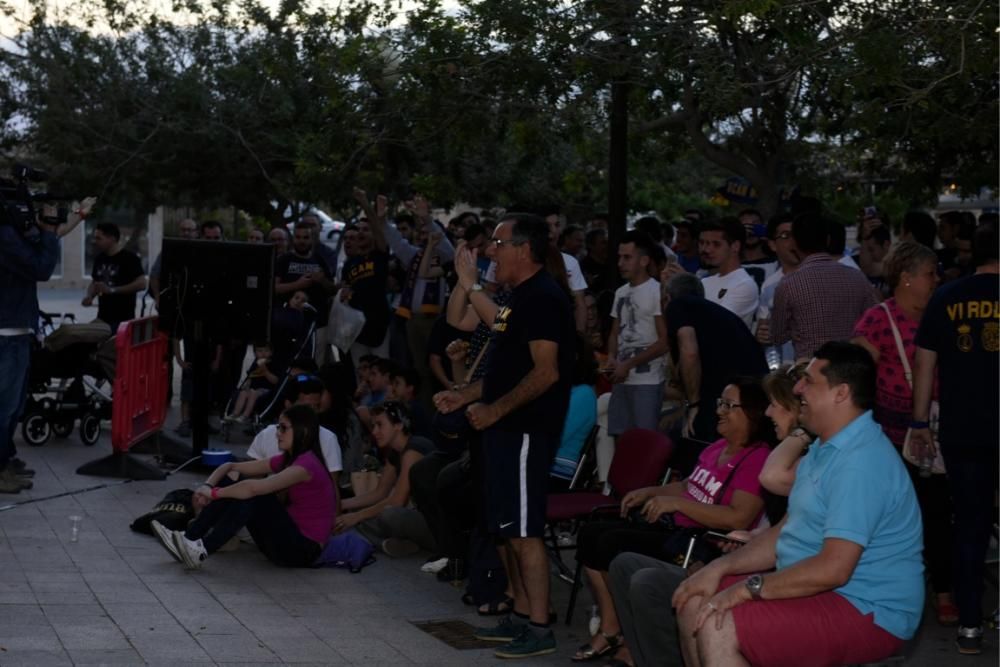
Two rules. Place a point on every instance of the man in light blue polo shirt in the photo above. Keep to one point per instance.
(848, 585)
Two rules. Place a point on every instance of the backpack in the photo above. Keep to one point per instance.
(487, 578)
(348, 550)
(174, 512)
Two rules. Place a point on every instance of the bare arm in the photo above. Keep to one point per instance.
(437, 369)
(543, 374)
(376, 495)
(735, 516)
(250, 488)
(923, 382)
(778, 473)
(689, 361)
(133, 287)
(872, 350)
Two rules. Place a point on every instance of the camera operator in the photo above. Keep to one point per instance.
(117, 277)
(27, 256)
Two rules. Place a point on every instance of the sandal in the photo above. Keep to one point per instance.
(587, 652)
(504, 605)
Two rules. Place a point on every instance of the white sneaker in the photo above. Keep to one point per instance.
(166, 538)
(192, 552)
(435, 566)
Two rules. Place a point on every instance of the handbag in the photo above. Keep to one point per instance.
(932, 416)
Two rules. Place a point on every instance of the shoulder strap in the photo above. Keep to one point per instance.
(720, 494)
(899, 345)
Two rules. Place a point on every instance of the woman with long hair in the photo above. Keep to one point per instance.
(290, 532)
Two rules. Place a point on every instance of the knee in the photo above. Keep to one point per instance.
(688, 615)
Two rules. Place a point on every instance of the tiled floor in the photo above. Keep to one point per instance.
(115, 597)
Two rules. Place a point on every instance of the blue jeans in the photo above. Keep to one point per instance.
(15, 355)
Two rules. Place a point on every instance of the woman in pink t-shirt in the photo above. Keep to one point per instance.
(723, 492)
(911, 271)
(292, 532)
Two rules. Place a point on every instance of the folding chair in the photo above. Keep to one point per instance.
(586, 468)
(641, 457)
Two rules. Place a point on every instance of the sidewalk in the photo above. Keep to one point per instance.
(115, 596)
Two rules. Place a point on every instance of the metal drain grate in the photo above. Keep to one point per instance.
(456, 634)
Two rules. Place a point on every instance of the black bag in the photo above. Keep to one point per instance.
(487, 578)
(174, 512)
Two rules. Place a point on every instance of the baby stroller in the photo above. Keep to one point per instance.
(72, 371)
(292, 336)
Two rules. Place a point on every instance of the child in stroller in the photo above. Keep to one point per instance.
(260, 382)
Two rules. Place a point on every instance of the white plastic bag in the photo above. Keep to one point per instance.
(345, 324)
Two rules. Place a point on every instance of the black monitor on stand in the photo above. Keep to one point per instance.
(212, 292)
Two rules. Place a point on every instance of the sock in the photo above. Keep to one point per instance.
(539, 630)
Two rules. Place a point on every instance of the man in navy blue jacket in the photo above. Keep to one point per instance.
(25, 259)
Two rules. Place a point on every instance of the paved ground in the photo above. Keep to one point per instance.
(116, 597)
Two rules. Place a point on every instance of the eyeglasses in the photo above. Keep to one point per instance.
(783, 236)
(726, 405)
(283, 428)
(499, 243)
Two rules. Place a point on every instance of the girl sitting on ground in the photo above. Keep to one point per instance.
(291, 532)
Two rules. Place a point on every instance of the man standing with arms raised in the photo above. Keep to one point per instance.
(520, 406)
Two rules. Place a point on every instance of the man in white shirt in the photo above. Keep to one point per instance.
(638, 341)
(307, 391)
(730, 286)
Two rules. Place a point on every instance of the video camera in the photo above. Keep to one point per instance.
(17, 200)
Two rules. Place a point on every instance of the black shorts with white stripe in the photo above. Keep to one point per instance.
(516, 468)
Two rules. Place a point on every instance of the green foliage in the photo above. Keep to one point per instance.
(495, 103)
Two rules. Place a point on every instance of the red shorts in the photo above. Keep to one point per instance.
(816, 631)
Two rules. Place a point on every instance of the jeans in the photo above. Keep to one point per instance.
(272, 530)
(15, 356)
(642, 588)
(972, 474)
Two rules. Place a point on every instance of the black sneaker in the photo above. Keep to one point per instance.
(528, 644)
(970, 641)
(20, 468)
(455, 571)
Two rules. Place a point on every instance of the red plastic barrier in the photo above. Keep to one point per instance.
(139, 403)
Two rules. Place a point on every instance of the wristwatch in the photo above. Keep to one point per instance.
(476, 287)
(755, 584)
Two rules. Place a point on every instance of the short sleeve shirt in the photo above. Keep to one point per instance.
(116, 270)
(636, 309)
(962, 325)
(736, 292)
(574, 275)
(706, 481)
(367, 276)
(290, 267)
(310, 503)
(538, 309)
(855, 487)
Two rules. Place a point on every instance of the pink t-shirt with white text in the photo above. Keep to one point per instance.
(310, 503)
(708, 477)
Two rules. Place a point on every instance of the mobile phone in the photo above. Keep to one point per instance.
(724, 537)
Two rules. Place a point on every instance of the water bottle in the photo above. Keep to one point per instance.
(773, 355)
(927, 466)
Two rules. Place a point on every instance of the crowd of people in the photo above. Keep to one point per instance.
(832, 410)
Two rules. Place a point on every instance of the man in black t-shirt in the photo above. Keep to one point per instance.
(520, 406)
(365, 274)
(303, 269)
(708, 345)
(959, 336)
(117, 276)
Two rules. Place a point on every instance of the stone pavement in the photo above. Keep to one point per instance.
(115, 597)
